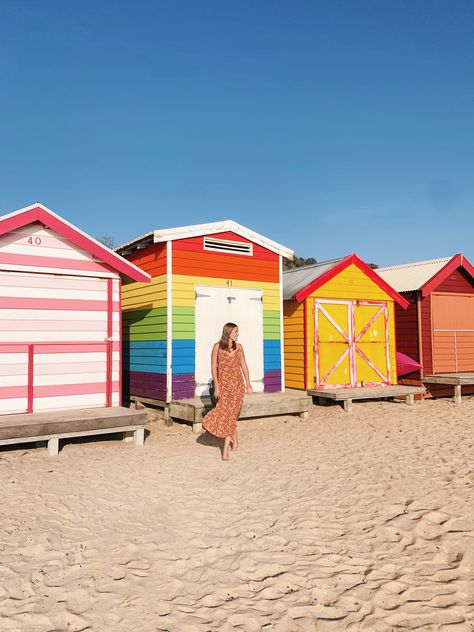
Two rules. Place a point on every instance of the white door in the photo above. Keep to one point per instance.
(215, 306)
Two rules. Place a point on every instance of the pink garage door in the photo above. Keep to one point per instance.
(59, 342)
(452, 317)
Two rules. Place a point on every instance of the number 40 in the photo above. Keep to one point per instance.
(36, 241)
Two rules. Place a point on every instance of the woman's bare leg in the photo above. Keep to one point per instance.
(225, 451)
(235, 441)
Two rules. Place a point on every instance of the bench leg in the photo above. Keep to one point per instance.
(348, 406)
(53, 446)
(139, 436)
(410, 400)
(197, 428)
(304, 415)
(457, 393)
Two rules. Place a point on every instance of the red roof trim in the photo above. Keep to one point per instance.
(458, 261)
(342, 265)
(46, 217)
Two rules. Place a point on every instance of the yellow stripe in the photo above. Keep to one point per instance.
(184, 288)
(145, 295)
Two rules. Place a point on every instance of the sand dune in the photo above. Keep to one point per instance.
(362, 522)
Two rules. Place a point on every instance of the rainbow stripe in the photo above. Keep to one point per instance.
(145, 318)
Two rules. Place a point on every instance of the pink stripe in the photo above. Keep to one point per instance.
(7, 302)
(70, 368)
(58, 347)
(51, 325)
(61, 390)
(53, 262)
(31, 279)
(13, 392)
(13, 348)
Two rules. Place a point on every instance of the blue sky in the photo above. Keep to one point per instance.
(331, 127)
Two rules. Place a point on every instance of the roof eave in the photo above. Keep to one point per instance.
(457, 261)
(342, 265)
(40, 213)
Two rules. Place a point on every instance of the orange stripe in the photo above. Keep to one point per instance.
(225, 266)
(152, 259)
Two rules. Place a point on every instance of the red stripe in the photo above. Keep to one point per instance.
(11, 258)
(196, 244)
(12, 302)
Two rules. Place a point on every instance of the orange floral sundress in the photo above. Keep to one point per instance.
(221, 421)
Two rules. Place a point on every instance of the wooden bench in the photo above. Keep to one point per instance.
(291, 402)
(453, 379)
(52, 426)
(347, 395)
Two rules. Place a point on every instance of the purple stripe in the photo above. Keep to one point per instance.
(184, 378)
(272, 388)
(183, 386)
(272, 381)
(274, 373)
(143, 384)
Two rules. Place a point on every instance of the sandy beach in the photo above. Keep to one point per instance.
(341, 522)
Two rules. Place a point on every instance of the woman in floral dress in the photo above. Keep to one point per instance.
(229, 369)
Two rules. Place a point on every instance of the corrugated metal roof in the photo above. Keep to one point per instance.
(298, 278)
(409, 277)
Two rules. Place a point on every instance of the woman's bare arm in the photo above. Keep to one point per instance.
(245, 370)
(214, 356)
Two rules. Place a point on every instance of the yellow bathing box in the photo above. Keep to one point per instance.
(339, 326)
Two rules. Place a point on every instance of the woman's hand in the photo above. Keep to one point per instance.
(216, 392)
(249, 389)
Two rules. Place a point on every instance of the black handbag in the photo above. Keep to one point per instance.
(212, 393)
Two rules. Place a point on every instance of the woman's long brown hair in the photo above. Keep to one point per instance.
(224, 341)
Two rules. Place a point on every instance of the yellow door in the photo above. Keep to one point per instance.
(351, 343)
(333, 334)
(371, 347)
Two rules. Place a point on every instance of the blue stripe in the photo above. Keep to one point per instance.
(271, 355)
(144, 344)
(184, 356)
(148, 368)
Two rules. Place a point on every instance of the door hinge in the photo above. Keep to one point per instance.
(259, 298)
(196, 295)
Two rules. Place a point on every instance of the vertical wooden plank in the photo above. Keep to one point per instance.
(31, 370)
(120, 343)
(282, 335)
(110, 313)
(169, 320)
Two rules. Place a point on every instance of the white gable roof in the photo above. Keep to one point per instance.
(184, 232)
(409, 277)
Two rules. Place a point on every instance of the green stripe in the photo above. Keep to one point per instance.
(144, 336)
(144, 324)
